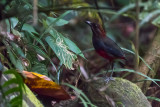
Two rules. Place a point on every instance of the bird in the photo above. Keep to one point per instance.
(105, 46)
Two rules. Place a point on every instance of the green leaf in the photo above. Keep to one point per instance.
(29, 28)
(150, 16)
(153, 98)
(17, 98)
(11, 56)
(16, 62)
(19, 65)
(82, 96)
(156, 21)
(12, 90)
(17, 103)
(10, 71)
(17, 49)
(142, 15)
(15, 73)
(60, 17)
(73, 47)
(1, 67)
(15, 32)
(38, 40)
(156, 79)
(60, 22)
(83, 101)
(53, 23)
(133, 71)
(61, 50)
(127, 50)
(9, 82)
(14, 22)
(41, 52)
(125, 9)
(18, 88)
(40, 68)
(32, 55)
(120, 104)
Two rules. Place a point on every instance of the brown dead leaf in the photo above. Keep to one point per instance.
(43, 85)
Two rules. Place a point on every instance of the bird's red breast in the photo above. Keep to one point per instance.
(105, 55)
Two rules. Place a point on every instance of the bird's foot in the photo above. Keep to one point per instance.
(107, 79)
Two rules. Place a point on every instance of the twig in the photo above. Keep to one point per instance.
(76, 9)
(137, 35)
(112, 3)
(35, 12)
(100, 15)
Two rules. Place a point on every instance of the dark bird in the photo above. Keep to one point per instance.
(105, 46)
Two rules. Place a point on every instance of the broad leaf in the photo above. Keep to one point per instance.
(17, 63)
(17, 33)
(73, 47)
(29, 28)
(61, 50)
(60, 22)
(14, 22)
(17, 49)
(53, 23)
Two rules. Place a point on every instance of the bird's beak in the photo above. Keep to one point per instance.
(88, 22)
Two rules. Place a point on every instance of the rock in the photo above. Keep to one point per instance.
(119, 93)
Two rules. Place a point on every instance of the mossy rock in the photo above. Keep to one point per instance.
(119, 93)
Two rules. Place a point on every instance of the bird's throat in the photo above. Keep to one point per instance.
(98, 32)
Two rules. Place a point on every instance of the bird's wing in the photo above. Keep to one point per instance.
(111, 47)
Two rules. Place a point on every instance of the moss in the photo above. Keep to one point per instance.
(121, 92)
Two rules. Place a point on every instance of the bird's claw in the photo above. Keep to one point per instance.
(108, 79)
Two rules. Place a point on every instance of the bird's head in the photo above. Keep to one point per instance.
(96, 29)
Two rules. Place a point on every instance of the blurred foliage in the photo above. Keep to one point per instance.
(12, 89)
(53, 43)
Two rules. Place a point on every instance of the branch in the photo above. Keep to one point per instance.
(152, 58)
(99, 13)
(76, 9)
(137, 35)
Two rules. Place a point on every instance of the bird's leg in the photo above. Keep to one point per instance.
(106, 73)
(112, 65)
(107, 79)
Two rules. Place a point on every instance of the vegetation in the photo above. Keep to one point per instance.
(50, 37)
